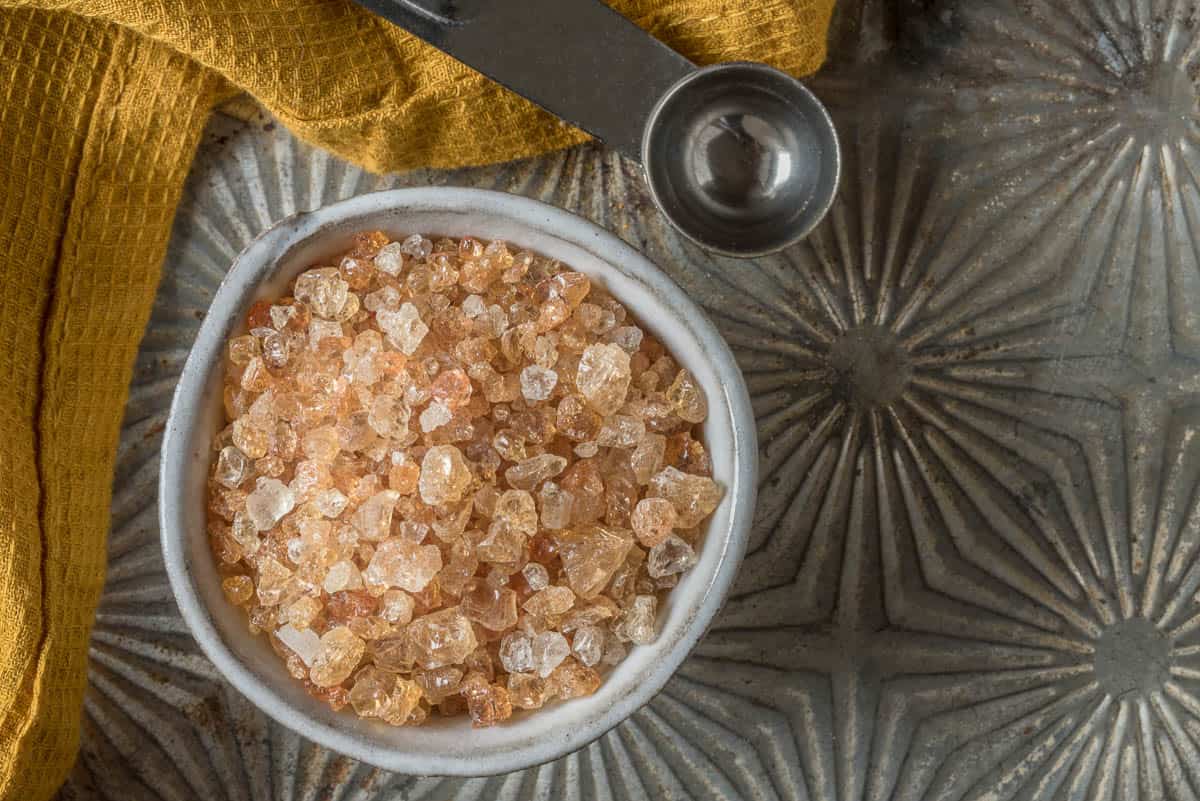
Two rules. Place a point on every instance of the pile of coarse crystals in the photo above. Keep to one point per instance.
(455, 479)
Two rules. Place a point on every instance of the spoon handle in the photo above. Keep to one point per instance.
(578, 59)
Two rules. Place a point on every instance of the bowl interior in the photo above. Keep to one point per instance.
(451, 746)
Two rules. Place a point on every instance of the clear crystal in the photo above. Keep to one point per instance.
(489, 706)
(232, 467)
(262, 411)
(417, 246)
(627, 337)
(403, 475)
(310, 479)
(269, 502)
(510, 445)
(549, 649)
(319, 330)
(587, 643)
(276, 350)
(242, 349)
(555, 506)
(244, 532)
(404, 328)
(459, 568)
(330, 502)
(502, 544)
(394, 654)
(637, 624)
(452, 388)
(473, 306)
(445, 475)
(438, 683)
(669, 557)
(614, 652)
(537, 383)
(281, 316)
(373, 519)
(321, 444)
(361, 361)
(516, 652)
(515, 510)
(400, 563)
(323, 291)
(536, 576)
(390, 258)
(571, 287)
(371, 694)
(305, 644)
(342, 575)
(386, 298)
(436, 415)
(251, 437)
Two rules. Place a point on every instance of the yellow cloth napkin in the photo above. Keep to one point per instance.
(101, 106)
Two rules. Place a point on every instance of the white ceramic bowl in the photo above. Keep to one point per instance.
(452, 747)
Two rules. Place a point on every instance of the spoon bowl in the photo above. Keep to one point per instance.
(741, 158)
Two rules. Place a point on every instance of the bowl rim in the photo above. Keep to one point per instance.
(274, 243)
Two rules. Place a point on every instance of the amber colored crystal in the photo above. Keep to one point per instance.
(437, 683)
(572, 680)
(453, 479)
(590, 555)
(527, 690)
(494, 608)
(339, 654)
(441, 638)
(490, 706)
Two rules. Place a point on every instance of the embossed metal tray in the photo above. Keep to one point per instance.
(974, 569)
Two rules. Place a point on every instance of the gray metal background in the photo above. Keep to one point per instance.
(973, 573)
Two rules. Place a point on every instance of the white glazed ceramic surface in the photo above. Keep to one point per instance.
(441, 746)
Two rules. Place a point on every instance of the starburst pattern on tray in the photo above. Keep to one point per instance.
(1096, 100)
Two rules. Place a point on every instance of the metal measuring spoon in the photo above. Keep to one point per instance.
(741, 158)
